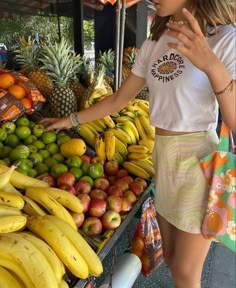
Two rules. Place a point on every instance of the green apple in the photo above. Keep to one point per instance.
(22, 121)
(9, 127)
(38, 130)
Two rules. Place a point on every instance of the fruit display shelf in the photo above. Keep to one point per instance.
(110, 241)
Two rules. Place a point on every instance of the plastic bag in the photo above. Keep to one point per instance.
(146, 242)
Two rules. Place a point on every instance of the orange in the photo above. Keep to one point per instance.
(6, 80)
(17, 91)
(27, 103)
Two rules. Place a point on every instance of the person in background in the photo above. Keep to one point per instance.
(188, 63)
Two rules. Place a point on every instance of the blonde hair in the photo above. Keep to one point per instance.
(207, 12)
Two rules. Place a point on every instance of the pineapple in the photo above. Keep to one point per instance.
(107, 58)
(28, 59)
(61, 65)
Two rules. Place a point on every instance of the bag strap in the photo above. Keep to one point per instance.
(224, 138)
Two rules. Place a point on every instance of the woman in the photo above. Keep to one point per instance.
(188, 63)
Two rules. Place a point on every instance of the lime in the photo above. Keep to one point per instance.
(39, 144)
(58, 169)
(27, 163)
(45, 153)
(19, 152)
(41, 168)
(22, 171)
(22, 132)
(12, 140)
(77, 172)
(62, 139)
(49, 137)
(87, 179)
(1, 144)
(3, 134)
(61, 133)
(31, 124)
(22, 121)
(36, 158)
(38, 130)
(74, 161)
(60, 158)
(9, 127)
(33, 149)
(85, 168)
(29, 140)
(50, 162)
(52, 148)
(5, 151)
(32, 173)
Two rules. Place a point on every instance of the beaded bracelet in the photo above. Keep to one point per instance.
(226, 88)
(74, 119)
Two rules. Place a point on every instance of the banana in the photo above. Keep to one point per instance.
(118, 157)
(63, 284)
(133, 107)
(139, 126)
(110, 142)
(133, 128)
(91, 258)
(5, 176)
(57, 266)
(21, 181)
(99, 146)
(137, 148)
(123, 119)
(32, 208)
(7, 279)
(66, 199)
(149, 143)
(128, 114)
(115, 114)
(90, 127)
(51, 205)
(146, 164)
(60, 243)
(30, 259)
(128, 130)
(11, 200)
(7, 211)
(109, 121)
(120, 147)
(96, 126)
(135, 156)
(121, 135)
(136, 170)
(148, 128)
(87, 135)
(10, 189)
(12, 223)
(9, 262)
(144, 105)
(100, 123)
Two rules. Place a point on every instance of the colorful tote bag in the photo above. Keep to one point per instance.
(219, 169)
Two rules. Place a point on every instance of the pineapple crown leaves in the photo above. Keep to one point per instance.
(100, 72)
(60, 62)
(129, 56)
(107, 58)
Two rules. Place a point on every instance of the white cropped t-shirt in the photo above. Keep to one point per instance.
(181, 97)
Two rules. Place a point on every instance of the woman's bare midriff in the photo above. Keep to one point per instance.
(164, 132)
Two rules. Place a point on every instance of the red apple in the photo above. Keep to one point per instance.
(128, 179)
(111, 168)
(97, 159)
(66, 178)
(111, 220)
(78, 218)
(98, 194)
(49, 179)
(114, 203)
(121, 173)
(101, 183)
(130, 196)
(97, 207)
(92, 226)
(111, 179)
(85, 199)
(136, 188)
(126, 205)
(85, 158)
(114, 190)
(141, 181)
(68, 188)
(82, 187)
(122, 184)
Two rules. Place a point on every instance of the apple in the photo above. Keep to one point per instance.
(114, 203)
(128, 179)
(111, 168)
(98, 194)
(82, 187)
(136, 188)
(95, 170)
(111, 179)
(78, 218)
(114, 190)
(85, 158)
(126, 205)
(97, 207)
(85, 200)
(121, 173)
(97, 159)
(101, 183)
(130, 196)
(68, 188)
(38, 130)
(49, 179)
(111, 220)
(141, 181)
(66, 178)
(122, 184)
(92, 226)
